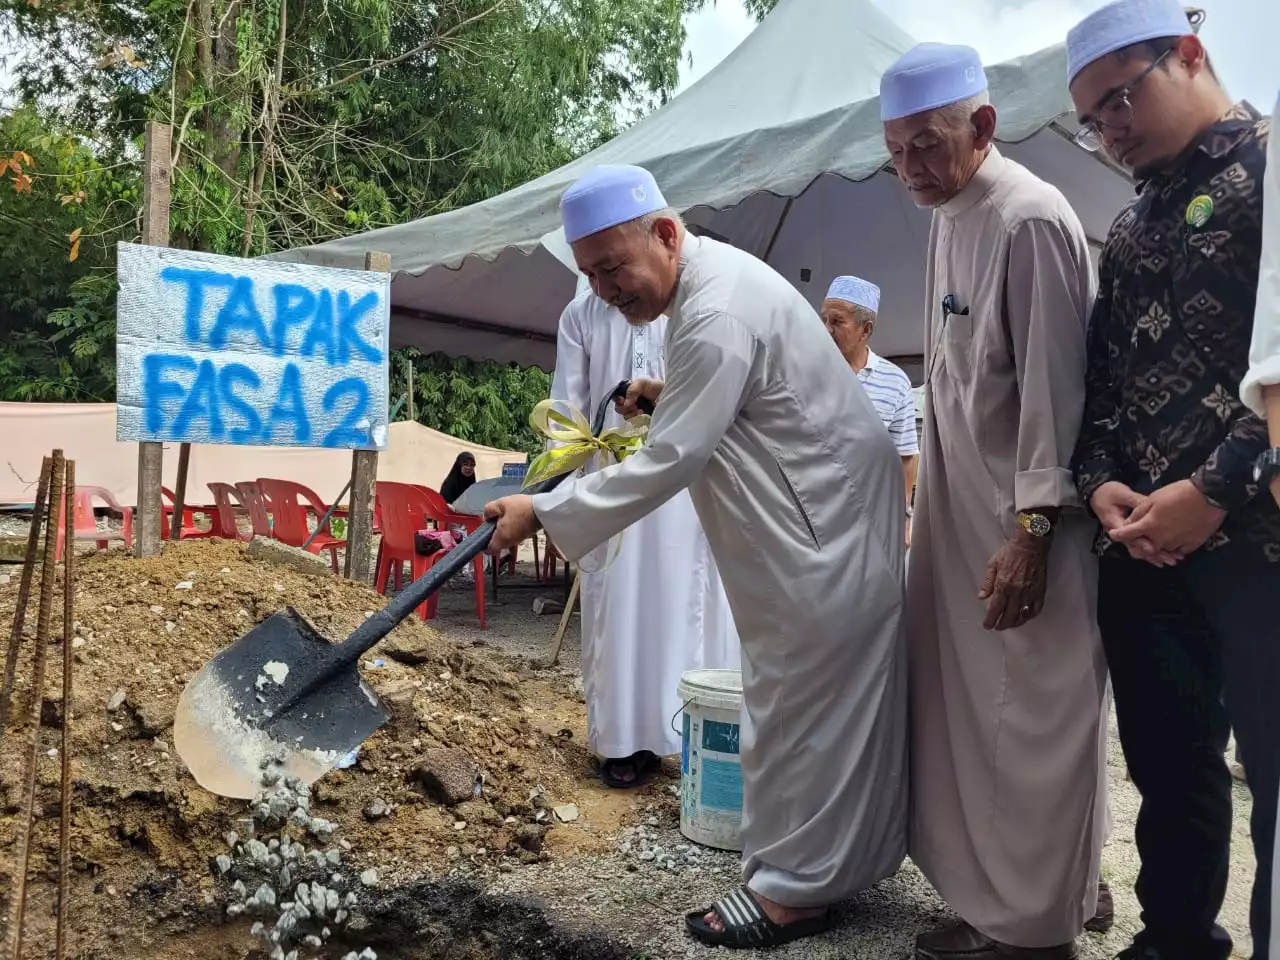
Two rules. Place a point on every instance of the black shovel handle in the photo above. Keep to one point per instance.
(412, 596)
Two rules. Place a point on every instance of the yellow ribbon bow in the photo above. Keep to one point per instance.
(575, 443)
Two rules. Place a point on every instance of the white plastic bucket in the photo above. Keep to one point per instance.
(710, 768)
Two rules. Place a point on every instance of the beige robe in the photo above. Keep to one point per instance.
(799, 490)
(1008, 732)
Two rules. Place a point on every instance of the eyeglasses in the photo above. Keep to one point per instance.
(1116, 111)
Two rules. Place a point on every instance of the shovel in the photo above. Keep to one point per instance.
(284, 699)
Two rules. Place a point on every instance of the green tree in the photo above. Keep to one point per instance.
(484, 403)
(63, 206)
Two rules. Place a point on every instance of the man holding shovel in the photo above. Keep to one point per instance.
(799, 490)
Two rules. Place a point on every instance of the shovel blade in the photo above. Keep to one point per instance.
(227, 728)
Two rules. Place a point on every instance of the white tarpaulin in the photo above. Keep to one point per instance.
(778, 150)
(87, 433)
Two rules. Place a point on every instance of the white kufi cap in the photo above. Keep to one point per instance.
(855, 291)
(930, 76)
(607, 196)
(1122, 24)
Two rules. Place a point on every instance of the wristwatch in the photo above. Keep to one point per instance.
(1036, 524)
(1267, 467)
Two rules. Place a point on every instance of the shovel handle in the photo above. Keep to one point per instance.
(412, 596)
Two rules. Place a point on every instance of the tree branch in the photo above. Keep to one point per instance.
(420, 48)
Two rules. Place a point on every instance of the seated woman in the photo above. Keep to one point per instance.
(461, 476)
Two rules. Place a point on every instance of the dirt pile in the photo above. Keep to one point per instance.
(472, 768)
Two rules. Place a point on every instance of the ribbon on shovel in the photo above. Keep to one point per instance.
(575, 446)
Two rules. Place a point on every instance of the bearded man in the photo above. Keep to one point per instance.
(799, 490)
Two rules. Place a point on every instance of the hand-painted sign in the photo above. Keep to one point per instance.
(213, 349)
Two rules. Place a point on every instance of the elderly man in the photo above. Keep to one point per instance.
(849, 312)
(656, 608)
(1190, 564)
(1008, 681)
(798, 488)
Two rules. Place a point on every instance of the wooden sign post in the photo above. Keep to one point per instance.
(156, 191)
(364, 477)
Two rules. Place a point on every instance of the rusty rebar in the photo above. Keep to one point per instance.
(24, 594)
(26, 815)
(68, 633)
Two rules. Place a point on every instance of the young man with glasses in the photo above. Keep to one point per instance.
(1190, 552)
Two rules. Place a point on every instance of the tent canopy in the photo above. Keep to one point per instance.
(778, 150)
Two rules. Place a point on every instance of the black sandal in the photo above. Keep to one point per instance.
(748, 927)
(644, 763)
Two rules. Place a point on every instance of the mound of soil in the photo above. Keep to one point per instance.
(478, 766)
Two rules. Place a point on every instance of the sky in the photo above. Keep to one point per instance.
(1240, 35)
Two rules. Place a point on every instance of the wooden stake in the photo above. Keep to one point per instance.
(564, 618)
(157, 173)
(180, 491)
(364, 477)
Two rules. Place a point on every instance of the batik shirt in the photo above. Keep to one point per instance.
(1169, 336)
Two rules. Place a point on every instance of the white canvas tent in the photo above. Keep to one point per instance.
(778, 150)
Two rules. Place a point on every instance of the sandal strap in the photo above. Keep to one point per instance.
(742, 916)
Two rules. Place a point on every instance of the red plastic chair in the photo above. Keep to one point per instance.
(470, 523)
(259, 510)
(404, 509)
(86, 525)
(189, 529)
(289, 517)
(226, 512)
(549, 560)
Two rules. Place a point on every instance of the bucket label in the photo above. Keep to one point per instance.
(720, 737)
(722, 785)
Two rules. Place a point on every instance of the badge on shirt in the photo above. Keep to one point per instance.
(1199, 211)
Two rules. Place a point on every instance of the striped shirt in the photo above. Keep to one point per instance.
(890, 392)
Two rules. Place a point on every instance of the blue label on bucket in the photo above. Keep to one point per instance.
(720, 737)
(684, 747)
(721, 785)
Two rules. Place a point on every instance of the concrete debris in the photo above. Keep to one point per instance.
(567, 813)
(117, 700)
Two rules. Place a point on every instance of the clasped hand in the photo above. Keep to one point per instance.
(1162, 528)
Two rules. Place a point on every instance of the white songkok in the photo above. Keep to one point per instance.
(1122, 24)
(607, 196)
(930, 76)
(855, 291)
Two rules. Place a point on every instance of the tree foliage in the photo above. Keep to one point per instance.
(483, 403)
(295, 121)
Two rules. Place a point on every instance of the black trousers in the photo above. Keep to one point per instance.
(1194, 652)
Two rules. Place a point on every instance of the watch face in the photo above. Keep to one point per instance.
(1040, 526)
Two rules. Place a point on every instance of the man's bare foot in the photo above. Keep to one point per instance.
(774, 911)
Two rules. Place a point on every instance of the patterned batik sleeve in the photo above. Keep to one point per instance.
(1097, 450)
(1226, 478)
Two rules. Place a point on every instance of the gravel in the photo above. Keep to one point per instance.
(641, 892)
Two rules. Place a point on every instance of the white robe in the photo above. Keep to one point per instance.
(799, 490)
(655, 607)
